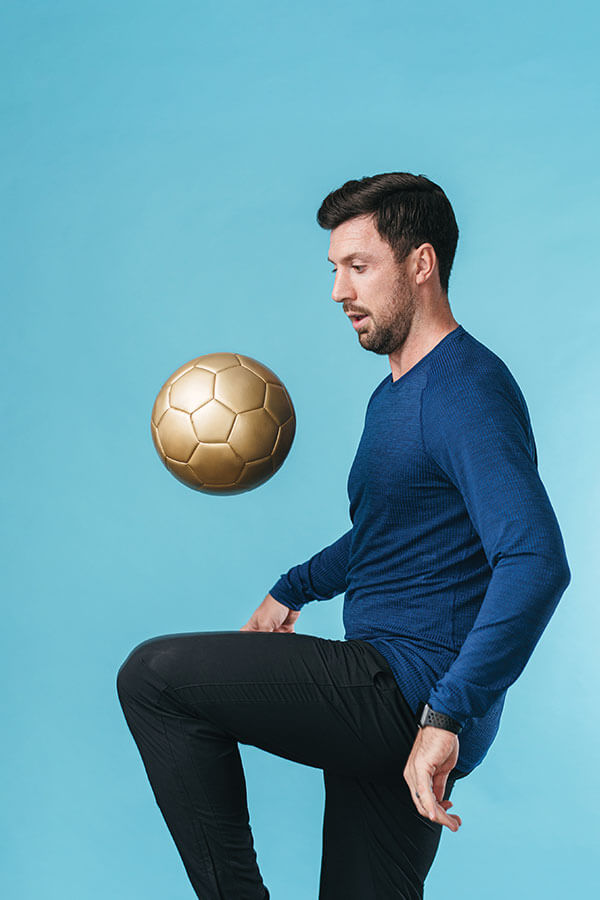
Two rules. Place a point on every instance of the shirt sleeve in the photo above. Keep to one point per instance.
(481, 438)
(321, 577)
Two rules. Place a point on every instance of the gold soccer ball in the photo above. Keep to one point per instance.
(223, 423)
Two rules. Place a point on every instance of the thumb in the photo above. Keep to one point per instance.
(439, 784)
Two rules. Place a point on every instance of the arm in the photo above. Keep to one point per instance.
(482, 441)
(321, 577)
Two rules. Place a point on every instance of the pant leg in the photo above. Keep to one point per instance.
(375, 843)
(195, 772)
(189, 700)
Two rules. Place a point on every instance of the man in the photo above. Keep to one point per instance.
(451, 570)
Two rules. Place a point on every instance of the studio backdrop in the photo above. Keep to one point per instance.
(162, 165)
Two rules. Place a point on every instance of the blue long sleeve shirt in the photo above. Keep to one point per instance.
(454, 562)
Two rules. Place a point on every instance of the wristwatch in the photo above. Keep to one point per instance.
(428, 716)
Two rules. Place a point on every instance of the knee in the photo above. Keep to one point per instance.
(134, 673)
(130, 676)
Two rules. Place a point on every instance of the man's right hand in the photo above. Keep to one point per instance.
(272, 615)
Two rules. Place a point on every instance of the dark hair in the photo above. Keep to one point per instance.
(409, 211)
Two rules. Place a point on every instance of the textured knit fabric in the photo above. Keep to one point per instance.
(455, 561)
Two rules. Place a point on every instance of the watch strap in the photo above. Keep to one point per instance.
(429, 716)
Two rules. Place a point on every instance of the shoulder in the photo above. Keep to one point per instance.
(471, 402)
(471, 380)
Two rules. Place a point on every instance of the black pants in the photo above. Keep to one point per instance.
(190, 699)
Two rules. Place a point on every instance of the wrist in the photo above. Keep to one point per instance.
(426, 716)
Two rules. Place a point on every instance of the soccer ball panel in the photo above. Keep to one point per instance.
(253, 434)
(283, 442)
(161, 404)
(239, 389)
(222, 489)
(183, 473)
(177, 435)
(215, 464)
(278, 403)
(156, 439)
(258, 368)
(212, 422)
(192, 390)
(179, 372)
(255, 473)
(214, 362)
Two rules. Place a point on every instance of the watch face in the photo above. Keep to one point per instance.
(424, 710)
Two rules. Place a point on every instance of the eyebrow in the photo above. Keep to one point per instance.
(350, 256)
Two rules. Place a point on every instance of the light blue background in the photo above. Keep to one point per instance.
(162, 165)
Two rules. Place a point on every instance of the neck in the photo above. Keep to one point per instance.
(420, 340)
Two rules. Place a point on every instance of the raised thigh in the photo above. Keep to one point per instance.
(331, 704)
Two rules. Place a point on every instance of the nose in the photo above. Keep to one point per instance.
(342, 288)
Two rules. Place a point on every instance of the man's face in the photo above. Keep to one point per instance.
(370, 282)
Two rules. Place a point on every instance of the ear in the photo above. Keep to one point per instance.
(425, 262)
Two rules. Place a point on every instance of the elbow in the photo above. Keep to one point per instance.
(563, 570)
(548, 568)
(559, 572)
(564, 575)
(554, 566)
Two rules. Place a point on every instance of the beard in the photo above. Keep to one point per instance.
(386, 336)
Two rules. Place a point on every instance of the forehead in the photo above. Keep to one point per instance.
(357, 236)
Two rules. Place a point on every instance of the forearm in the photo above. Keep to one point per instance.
(520, 600)
(321, 577)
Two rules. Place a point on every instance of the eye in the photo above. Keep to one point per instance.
(358, 267)
(334, 270)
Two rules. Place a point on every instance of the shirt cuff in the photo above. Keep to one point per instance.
(437, 706)
(285, 595)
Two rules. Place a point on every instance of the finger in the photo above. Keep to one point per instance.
(415, 786)
(451, 820)
(414, 791)
(433, 809)
(419, 804)
(439, 785)
(427, 798)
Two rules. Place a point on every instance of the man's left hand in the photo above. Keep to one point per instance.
(433, 756)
